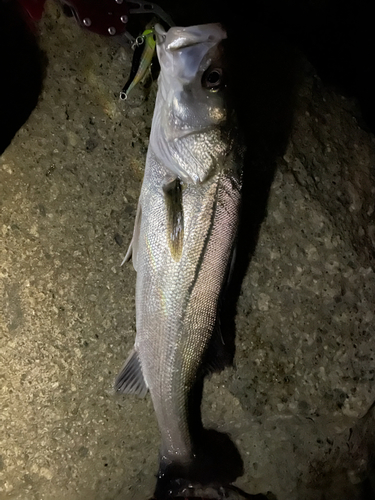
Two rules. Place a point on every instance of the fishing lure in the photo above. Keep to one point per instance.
(144, 51)
(110, 18)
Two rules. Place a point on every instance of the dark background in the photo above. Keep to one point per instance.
(337, 37)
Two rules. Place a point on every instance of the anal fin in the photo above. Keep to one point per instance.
(130, 380)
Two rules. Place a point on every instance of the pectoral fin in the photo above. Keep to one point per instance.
(175, 217)
(130, 380)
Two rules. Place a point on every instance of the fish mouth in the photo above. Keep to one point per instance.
(180, 38)
(160, 33)
(182, 51)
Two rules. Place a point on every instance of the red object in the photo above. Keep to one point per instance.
(34, 8)
(105, 17)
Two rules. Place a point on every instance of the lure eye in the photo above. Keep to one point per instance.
(213, 79)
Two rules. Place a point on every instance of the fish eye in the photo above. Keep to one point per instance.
(213, 79)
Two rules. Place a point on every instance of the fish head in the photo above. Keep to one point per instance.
(191, 98)
(192, 77)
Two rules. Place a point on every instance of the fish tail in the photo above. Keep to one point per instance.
(216, 463)
(177, 481)
(182, 489)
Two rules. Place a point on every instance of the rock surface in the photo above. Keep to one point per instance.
(305, 343)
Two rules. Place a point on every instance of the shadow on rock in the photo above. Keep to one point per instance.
(350, 473)
(362, 453)
(21, 72)
(264, 98)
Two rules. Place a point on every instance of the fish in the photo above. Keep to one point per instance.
(183, 249)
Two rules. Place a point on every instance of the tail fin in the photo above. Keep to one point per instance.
(181, 489)
(215, 465)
